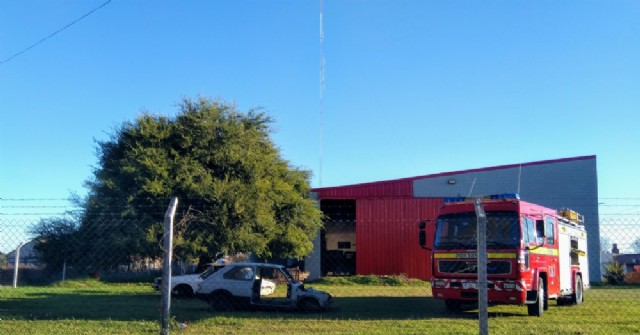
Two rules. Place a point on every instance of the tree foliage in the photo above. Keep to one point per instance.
(3, 260)
(636, 245)
(614, 272)
(236, 193)
(55, 241)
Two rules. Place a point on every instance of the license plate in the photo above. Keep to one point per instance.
(470, 285)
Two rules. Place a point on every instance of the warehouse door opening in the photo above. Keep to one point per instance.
(338, 238)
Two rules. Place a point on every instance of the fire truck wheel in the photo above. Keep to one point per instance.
(537, 308)
(453, 305)
(578, 297)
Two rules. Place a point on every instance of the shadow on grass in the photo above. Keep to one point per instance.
(344, 308)
(147, 307)
(90, 305)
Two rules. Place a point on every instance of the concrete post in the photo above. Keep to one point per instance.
(482, 268)
(16, 265)
(166, 266)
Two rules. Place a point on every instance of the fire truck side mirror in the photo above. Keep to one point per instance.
(422, 234)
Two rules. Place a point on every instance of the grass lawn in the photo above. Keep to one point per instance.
(90, 307)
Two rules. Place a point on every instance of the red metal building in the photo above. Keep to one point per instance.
(372, 228)
(386, 232)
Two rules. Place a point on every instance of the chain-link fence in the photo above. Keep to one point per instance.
(65, 279)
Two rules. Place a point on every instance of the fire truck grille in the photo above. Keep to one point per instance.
(457, 267)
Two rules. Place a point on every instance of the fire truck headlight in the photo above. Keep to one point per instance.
(509, 286)
(439, 283)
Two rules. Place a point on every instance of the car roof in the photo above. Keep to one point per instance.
(270, 265)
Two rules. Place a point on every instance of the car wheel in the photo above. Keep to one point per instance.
(221, 301)
(309, 305)
(183, 291)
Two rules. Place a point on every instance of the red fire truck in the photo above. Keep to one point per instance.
(534, 254)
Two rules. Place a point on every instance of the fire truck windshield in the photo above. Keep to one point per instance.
(459, 231)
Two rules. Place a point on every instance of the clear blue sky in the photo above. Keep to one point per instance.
(411, 87)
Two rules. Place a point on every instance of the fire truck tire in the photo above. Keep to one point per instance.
(578, 297)
(453, 305)
(537, 308)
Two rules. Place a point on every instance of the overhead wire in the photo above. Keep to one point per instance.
(54, 33)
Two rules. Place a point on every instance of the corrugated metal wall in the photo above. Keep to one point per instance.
(396, 188)
(387, 213)
(387, 236)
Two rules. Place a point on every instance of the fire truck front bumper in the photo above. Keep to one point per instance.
(499, 291)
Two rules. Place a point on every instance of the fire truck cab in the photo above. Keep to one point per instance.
(534, 254)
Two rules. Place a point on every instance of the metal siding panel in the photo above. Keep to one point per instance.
(387, 236)
(400, 188)
(571, 183)
(405, 187)
(370, 237)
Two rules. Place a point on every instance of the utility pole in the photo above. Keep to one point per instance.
(166, 266)
(482, 268)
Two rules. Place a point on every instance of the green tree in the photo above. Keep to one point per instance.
(3, 260)
(55, 241)
(236, 193)
(636, 245)
(614, 272)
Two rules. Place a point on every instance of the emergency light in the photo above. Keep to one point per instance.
(504, 196)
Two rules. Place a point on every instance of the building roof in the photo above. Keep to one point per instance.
(628, 258)
(403, 187)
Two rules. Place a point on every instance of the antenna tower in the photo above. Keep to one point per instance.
(321, 87)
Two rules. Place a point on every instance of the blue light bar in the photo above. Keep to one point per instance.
(454, 199)
(505, 196)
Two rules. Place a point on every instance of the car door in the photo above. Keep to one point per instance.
(551, 244)
(239, 280)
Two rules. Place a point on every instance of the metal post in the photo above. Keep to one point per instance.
(166, 266)
(16, 265)
(482, 269)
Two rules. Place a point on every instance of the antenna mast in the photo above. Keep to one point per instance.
(472, 185)
(321, 86)
(519, 177)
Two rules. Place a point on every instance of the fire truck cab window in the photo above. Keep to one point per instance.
(529, 233)
(459, 231)
(549, 228)
(540, 231)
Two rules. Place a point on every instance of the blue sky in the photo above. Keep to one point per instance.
(411, 87)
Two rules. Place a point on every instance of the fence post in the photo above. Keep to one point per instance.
(166, 265)
(483, 325)
(64, 269)
(16, 265)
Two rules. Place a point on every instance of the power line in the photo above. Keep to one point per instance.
(34, 199)
(54, 33)
(35, 206)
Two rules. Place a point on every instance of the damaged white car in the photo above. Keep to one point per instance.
(239, 285)
(185, 286)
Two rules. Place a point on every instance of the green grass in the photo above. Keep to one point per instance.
(366, 305)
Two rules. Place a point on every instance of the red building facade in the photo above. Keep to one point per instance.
(372, 228)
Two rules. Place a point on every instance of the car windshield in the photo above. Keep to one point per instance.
(459, 231)
(287, 275)
(208, 272)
